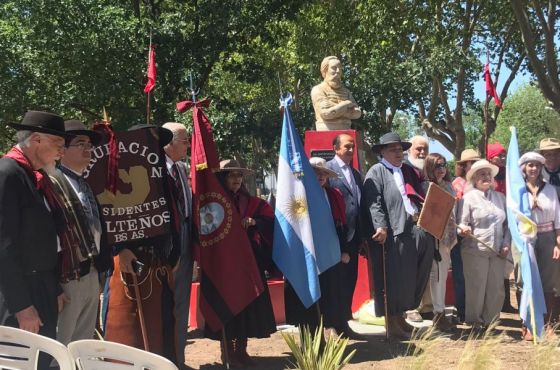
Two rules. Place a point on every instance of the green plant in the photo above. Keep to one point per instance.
(311, 354)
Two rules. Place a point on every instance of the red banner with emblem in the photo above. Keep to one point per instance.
(230, 278)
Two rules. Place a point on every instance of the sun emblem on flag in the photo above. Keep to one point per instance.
(297, 208)
(211, 217)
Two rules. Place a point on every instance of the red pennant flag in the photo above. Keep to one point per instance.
(490, 88)
(151, 71)
(230, 278)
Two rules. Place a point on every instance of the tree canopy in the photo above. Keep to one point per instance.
(74, 57)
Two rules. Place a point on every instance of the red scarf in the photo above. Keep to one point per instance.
(65, 226)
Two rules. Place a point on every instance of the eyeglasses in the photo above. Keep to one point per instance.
(441, 166)
(83, 146)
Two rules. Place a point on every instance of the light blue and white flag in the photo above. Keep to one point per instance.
(305, 238)
(523, 234)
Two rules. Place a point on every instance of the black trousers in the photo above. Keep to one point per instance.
(408, 259)
(349, 276)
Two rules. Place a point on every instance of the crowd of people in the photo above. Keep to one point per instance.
(55, 259)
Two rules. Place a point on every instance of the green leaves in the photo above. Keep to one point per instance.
(309, 355)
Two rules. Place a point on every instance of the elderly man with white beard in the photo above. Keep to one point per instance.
(418, 152)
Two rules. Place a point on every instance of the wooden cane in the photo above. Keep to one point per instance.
(140, 312)
(225, 349)
(385, 304)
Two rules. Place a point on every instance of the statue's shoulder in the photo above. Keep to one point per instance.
(319, 89)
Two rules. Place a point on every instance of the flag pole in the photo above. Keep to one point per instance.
(225, 349)
(533, 322)
(486, 113)
(193, 92)
(149, 92)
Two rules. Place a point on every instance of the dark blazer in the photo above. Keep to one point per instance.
(104, 260)
(351, 201)
(28, 239)
(383, 201)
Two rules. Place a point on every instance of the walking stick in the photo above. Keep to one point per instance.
(385, 304)
(140, 312)
(225, 349)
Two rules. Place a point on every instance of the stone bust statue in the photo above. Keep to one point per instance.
(333, 103)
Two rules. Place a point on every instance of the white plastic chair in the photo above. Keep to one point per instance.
(101, 355)
(19, 350)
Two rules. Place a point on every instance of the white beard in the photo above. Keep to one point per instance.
(417, 162)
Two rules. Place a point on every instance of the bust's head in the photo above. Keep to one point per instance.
(331, 70)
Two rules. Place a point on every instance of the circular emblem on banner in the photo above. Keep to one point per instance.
(211, 217)
(216, 215)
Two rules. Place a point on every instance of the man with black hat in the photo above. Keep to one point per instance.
(82, 262)
(392, 198)
(29, 290)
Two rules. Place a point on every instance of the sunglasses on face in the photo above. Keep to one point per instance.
(441, 166)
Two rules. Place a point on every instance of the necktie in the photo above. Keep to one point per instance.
(179, 189)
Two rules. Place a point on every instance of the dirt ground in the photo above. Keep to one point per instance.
(274, 354)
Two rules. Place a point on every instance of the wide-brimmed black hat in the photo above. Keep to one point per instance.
(75, 127)
(390, 138)
(47, 123)
(165, 135)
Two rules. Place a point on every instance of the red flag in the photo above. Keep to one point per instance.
(490, 88)
(230, 278)
(151, 70)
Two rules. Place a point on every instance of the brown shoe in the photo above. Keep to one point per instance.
(394, 328)
(526, 334)
(442, 324)
(405, 326)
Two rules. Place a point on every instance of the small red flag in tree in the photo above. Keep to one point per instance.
(151, 70)
(490, 88)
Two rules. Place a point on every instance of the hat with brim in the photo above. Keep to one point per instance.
(390, 138)
(165, 135)
(44, 122)
(320, 164)
(75, 127)
(233, 165)
(469, 155)
(479, 165)
(549, 144)
(531, 157)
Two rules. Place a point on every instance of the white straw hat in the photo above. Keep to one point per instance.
(479, 165)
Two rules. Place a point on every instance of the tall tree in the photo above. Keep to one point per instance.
(537, 21)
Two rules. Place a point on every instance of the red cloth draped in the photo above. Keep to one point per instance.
(230, 276)
(151, 71)
(112, 161)
(490, 88)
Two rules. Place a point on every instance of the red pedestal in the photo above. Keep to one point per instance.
(320, 144)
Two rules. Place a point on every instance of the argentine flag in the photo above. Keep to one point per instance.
(523, 232)
(305, 238)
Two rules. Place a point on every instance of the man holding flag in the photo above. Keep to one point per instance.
(305, 239)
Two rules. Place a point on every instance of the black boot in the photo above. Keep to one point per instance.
(241, 352)
(507, 307)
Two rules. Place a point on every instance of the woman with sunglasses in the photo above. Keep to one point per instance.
(435, 171)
